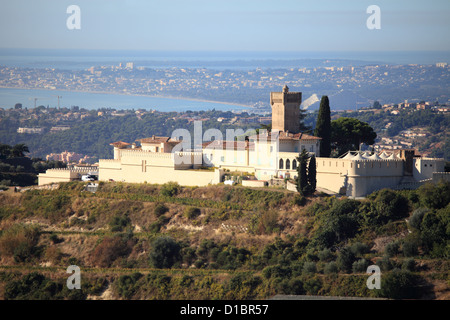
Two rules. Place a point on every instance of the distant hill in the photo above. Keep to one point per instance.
(342, 100)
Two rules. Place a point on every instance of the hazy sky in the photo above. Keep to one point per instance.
(235, 25)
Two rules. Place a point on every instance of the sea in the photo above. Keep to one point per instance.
(83, 59)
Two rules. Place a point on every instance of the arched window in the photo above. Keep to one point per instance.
(294, 164)
(281, 164)
(288, 164)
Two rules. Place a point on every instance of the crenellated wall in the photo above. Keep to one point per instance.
(357, 178)
(61, 175)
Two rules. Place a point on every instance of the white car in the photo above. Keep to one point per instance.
(230, 182)
(87, 177)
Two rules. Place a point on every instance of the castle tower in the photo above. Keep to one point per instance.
(286, 110)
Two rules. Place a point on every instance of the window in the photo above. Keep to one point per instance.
(222, 158)
(280, 166)
(271, 148)
(294, 164)
(288, 164)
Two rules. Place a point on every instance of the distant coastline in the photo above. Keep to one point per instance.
(133, 95)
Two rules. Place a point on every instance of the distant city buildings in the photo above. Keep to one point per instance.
(36, 130)
(69, 157)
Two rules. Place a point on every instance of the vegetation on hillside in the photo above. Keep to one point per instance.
(142, 241)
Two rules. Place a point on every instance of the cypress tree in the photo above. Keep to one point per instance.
(302, 176)
(323, 127)
(312, 173)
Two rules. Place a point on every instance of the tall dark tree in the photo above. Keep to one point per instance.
(323, 127)
(312, 174)
(302, 173)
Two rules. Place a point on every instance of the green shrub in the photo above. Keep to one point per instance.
(345, 260)
(160, 209)
(359, 249)
(410, 248)
(299, 200)
(325, 255)
(435, 196)
(170, 189)
(165, 252)
(416, 218)
(385, 264)
(309, 267)
(392, 249)
(360, 266)
(312, 286)
(20, 242)
(409, 264)
(119, 222)
(126, 285)
(390, 205)
(399, 284)
(330, 268)
(192, 212)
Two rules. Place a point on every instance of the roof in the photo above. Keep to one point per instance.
(286, 136)
(297, 136)
(222, 144)
(120, 144)
(158, 140)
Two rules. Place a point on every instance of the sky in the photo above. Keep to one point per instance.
(228, 25)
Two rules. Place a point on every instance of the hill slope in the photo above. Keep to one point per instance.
(140, 241)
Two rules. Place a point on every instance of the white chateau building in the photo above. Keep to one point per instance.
(266, 156)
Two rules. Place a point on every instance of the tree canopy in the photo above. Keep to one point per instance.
(348, 133)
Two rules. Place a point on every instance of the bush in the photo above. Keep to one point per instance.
(165, 253)
(390, 205)
(331, 268)
(20, 241)
(359, 249)
(435, 196)
(417, 217)
(192, 212)
(392, 249)
(309, 267)
(170, 189)
(345, 260)
(299, 200)
(325, 255)
(268, 222)
(410, 248)
(385, 264)
(110, 249)
(399, 284)
(312, 286)
(160, 209)
(126, 285)
(360, 266)
(409, 265)
(119, 222)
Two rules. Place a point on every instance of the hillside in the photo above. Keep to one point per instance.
(141, 241)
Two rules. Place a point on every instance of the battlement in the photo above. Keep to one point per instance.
(87, 169)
